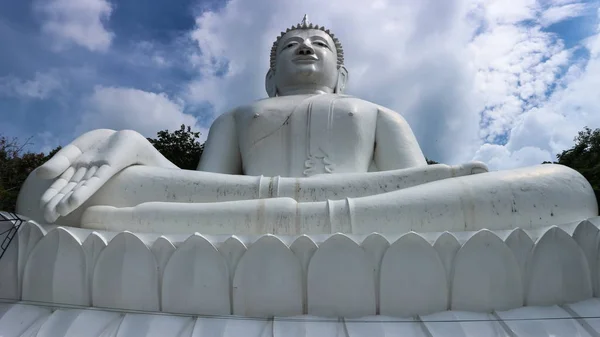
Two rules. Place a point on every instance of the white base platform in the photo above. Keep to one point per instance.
(18, 319)
(324, 275)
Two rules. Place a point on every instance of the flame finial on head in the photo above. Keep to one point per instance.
(305, 24)
(305, 21)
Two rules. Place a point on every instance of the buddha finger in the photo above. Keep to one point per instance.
(64, 206)
(90, 173)
(90, 186)
(50, 213)
(75, 179)
(68, 204)
(57, 186)
(59, 163)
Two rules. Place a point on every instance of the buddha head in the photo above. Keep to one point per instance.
(306, 57)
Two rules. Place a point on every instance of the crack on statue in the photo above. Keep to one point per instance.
(286, 122)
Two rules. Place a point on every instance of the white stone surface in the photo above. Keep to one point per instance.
(162, 249)
(471, 324)
(76, 323)
(328, 275)
(93, 245)
(232, 250)
(586, 236)
(153, 326)
(551, 321)
(340, 280)
(486, 276)
(188, 268)
(557, 271)
(56, 271)
(382, 326)
(375, 246)
(126, 276)
(447, 246)
(521, 245)
(16, 319)
(30, 233)
(304, 248)
(268, 281)
(588, 310)
(413, 279)
(29, 320)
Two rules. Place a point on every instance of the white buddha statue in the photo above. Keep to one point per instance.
(308, 159)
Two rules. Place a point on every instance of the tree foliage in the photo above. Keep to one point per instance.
(584, 156)
(180, 147)
(15, 166)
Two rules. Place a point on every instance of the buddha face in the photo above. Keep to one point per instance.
(306, 57)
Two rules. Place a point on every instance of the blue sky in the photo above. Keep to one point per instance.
(508, 83)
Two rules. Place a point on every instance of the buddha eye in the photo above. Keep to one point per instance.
(290, 45)
(322, 44)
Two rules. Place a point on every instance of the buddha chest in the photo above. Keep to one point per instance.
(302, 136)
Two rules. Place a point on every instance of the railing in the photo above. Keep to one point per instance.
(11, 232)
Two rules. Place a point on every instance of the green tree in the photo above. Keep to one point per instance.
(15, 166)
(181, 147)
(584, 156)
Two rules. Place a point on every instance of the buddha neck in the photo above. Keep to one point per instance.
(303, 90)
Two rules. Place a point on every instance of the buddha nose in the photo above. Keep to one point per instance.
(305, 49)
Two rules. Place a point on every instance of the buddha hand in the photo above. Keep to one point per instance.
(85, 165)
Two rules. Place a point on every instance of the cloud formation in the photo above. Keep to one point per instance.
(561, 12)
(40, 87)
(79, 22)
(127, 108)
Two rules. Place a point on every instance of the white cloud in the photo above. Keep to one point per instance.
(79, 22)
(516, 67)
(549, 127)
(498, 12)
(562, 12)
(146, 53)
(500, 158)
(126, 108)
(42, 86)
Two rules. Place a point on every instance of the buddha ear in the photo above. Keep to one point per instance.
(270, 83)
(342, 80)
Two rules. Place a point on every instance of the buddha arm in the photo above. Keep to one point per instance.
(396, 146)
(221, 150)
